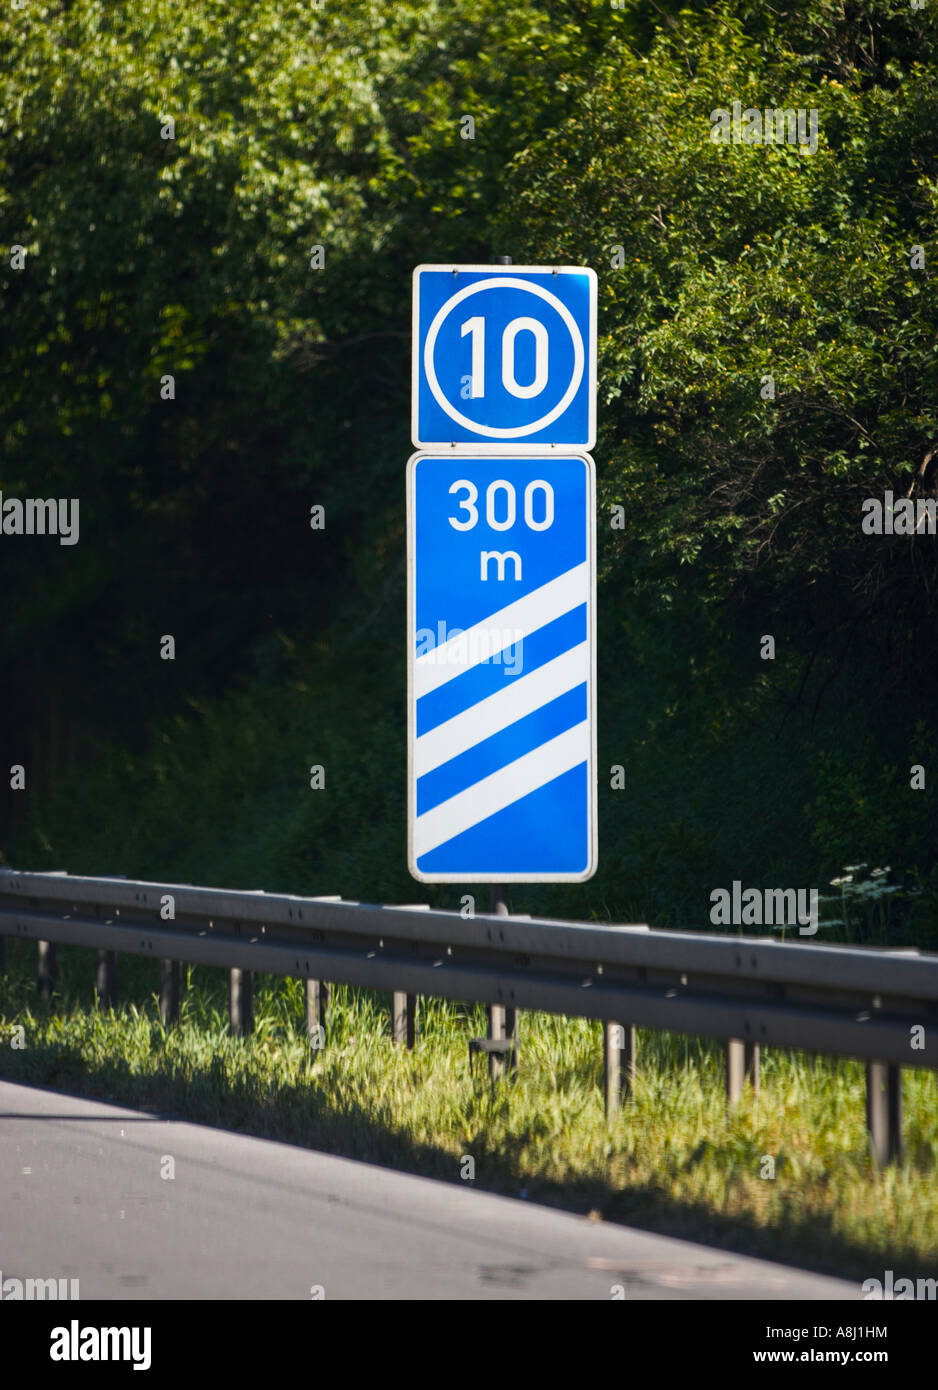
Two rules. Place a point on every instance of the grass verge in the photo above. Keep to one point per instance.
(674, 1160)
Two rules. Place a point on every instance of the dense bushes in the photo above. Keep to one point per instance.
(720, 266)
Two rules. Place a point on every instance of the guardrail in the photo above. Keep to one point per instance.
(880, 1006)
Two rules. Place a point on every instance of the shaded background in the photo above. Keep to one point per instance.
(339, 126)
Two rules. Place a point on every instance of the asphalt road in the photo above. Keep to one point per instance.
(83, 1197)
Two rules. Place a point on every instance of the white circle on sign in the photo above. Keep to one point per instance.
(579, 358)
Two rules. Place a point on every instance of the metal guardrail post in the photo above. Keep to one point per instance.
(47, 968)
(735, 1069)
(884, 1112)
(317, 1005)
(497, 1032)
(105, 978)
(404, 1017)
(742, 1065)
(619, 1060)
(611, 1069)
(503, 1021)
(170, 990)
(241, 1002)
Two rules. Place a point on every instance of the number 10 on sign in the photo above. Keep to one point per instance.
(504, 359)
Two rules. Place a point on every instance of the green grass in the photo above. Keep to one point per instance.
(674, 1160)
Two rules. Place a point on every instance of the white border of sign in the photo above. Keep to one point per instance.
(499, 876)
(504, 443)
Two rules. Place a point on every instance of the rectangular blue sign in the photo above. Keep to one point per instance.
(504, 358)
(501, 668)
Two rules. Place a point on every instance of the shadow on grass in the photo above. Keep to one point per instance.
(302, 1116)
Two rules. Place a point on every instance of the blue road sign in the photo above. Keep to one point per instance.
(501, 668)
(504, 358)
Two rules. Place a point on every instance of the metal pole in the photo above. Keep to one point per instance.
(619, 1059)
(48, 969)
(317, 1002)
(241, 1001)
(611, 1077)
(404, 1017)
(170, 989)
(735, 1069)
(502, 1020)
(105, 978)
(742, 1065)
(884, 1111)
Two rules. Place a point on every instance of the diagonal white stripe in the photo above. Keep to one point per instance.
(498, 790)
(501, 629)
(520, 695)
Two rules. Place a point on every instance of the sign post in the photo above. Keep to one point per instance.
(501, 580)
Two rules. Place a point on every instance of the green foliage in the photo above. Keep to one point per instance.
(860, 813)
(740, 261)
(297, 126)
